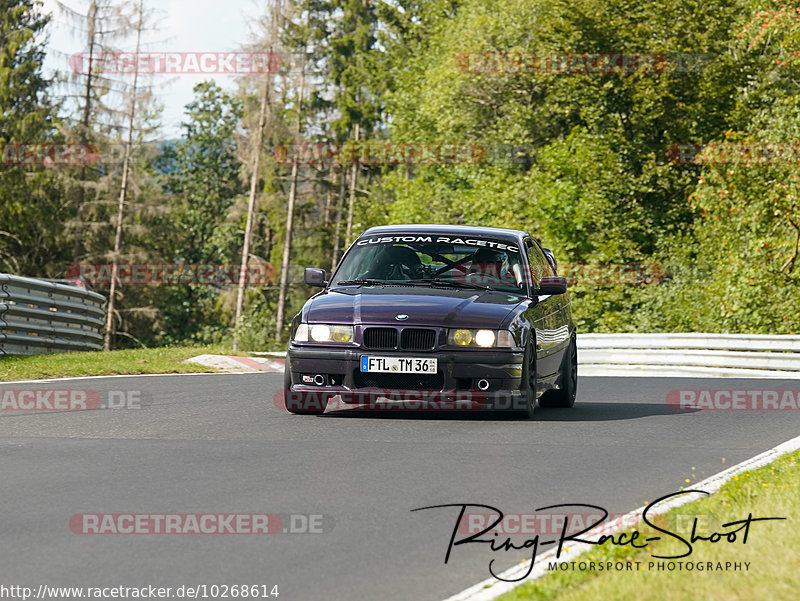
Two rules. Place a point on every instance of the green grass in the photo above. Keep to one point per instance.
(163, 360)
(772, 549)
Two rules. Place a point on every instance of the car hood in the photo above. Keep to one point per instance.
(424, 306)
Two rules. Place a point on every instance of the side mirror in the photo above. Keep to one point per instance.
(552, 258)
(315, 277)
(552, 285)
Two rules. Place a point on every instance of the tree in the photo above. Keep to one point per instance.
(32, 210)
(202, 179)
(739, 270)
(136, 99)
(293, 184)
(593, 177)
(270, 24)
(90, 115)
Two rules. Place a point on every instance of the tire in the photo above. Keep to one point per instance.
(564, 397)
(528, 384)
(302, 403)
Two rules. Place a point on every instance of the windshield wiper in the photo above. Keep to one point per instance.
(360, 282)
(450, 283)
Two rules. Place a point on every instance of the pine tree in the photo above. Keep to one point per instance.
(31, 207)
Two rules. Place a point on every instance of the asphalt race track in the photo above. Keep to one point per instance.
(218, 444)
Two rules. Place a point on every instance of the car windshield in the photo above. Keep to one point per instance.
(430, 260)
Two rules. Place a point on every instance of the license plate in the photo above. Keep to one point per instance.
(398, 365)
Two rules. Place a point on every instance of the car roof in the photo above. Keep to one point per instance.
(463, 230)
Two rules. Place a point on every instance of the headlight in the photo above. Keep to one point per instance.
(485, 338)
(461, 337)
(321, 332)
(481, 338)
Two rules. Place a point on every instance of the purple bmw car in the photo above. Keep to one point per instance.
(469, 312)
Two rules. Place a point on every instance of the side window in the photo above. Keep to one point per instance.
(540, 266)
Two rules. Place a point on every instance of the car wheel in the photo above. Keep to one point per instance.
(302, 403)
(564, 397)
(528, 384)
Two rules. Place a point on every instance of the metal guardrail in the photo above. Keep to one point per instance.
(726, 355)
(43, 317)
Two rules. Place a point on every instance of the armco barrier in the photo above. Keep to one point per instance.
(42, 317)
(702, 355)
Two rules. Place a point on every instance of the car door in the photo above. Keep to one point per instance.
(552, 335)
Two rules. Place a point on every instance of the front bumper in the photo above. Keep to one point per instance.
(458, 374)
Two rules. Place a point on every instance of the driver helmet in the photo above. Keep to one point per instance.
(490, 263)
